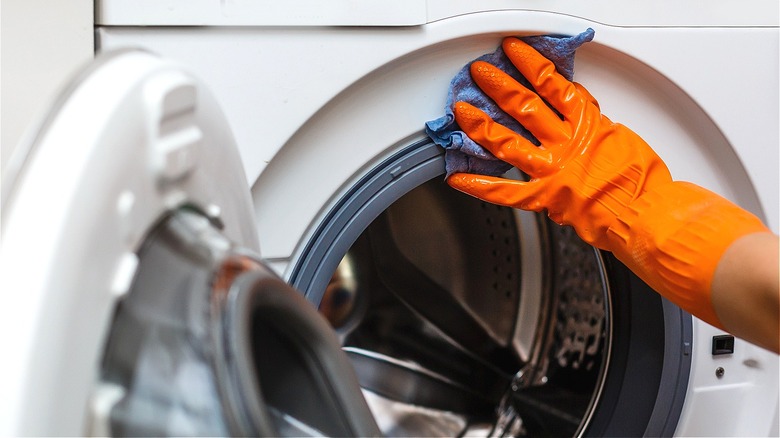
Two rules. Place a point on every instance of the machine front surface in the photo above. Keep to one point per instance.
(457, 317)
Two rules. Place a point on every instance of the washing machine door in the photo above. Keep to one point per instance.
(134, 299)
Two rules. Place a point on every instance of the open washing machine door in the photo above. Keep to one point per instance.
(135, 301)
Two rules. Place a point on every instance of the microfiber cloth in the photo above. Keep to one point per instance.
(461, 153)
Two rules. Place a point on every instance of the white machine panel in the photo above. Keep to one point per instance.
(315, 94)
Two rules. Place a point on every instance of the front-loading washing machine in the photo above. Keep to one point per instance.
(456, 317)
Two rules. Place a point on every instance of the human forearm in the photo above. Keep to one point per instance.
(746, 290)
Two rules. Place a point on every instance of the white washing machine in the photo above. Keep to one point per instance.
(457, 317)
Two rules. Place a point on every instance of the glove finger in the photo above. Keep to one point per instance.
(519, 102)
(586, 94)
(496, 190)
(562, 94)
(501, 141)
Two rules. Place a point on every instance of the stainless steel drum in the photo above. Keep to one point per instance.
(466, 318)
(430, 305)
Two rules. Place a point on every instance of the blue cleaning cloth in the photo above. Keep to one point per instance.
(461, 153)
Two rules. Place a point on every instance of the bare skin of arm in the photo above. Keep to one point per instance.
(746, 290)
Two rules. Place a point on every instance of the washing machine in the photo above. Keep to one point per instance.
(233, 189)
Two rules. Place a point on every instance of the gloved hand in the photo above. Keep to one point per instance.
(601, 178)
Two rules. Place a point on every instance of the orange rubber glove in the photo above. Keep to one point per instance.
(602, 179)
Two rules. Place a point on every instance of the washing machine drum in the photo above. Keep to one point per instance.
(467, 318)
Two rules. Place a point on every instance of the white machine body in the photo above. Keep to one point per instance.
(315, 93)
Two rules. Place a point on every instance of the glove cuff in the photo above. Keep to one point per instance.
(673, 237)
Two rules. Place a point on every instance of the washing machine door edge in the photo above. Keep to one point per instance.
(132, 138)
